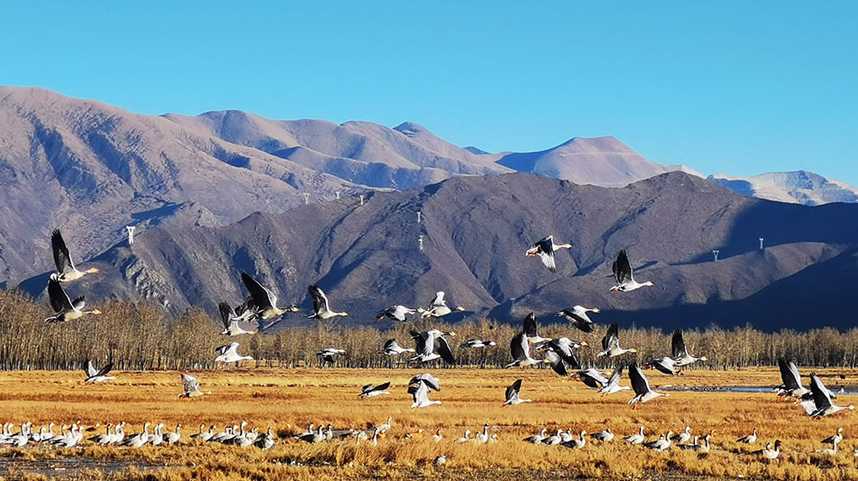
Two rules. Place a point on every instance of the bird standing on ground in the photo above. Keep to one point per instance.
(545, 249)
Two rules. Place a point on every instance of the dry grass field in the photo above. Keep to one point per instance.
(289, 399)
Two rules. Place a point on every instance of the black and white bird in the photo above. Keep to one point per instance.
(680, 352)
(613, 384)
(663, 443)
(624, 275)
(611, 343)
(560, 354)
(531, 328)
(475, 343)
(190, 386)
(791, 380)
(817, 403)
(392, 348)
(370, 390)
(228, 353)
(666, 365)
(64, 308)
(637, 438)
(97, 376)
(605, 436)
(431, 345)
(519, 346)
(640, 384)
(770, 452)
(579, 317)
(66, 270)
(329, 355)
(593, 378)
(230, 321)
(748, 438)
(321, 307)
(262, 303)
(835, 438)
(545, 249)
(437, 307)
(512, 394)
(418, 388)
(395, 313)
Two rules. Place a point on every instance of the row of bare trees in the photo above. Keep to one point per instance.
(142, 337)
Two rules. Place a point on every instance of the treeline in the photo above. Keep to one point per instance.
(144, 337)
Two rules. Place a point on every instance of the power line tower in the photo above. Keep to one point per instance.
(130, 229)
(361, 199)
(420, 242)
(306, 198)
(715, 253)
(762, 241)
(337, 193)
(419, 216)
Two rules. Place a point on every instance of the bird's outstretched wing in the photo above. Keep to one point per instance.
(261, 296)
(62, 259)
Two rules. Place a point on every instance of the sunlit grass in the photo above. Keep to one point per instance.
(289, 399)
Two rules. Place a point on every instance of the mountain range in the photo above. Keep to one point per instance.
(226, 191)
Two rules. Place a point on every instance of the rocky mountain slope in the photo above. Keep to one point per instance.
(475, 231)
(800, 187)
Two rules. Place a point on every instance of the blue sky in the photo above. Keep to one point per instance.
(732, 86)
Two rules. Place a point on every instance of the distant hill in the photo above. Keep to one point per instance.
(475, 231)
(801, 187)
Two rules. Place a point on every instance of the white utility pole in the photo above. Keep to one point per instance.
(361, 199)
(418, 216)
(306, 198)
(420, 242)
(337, 194)
(130, 229)
(762, 239)
(715, 254)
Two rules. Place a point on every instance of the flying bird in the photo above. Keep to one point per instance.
(511, 394)
(624, 275)
(613, 384)
(680, 351)
(611, 343)
(263, 301)
(418, 388)
(791, 380)
(370, 390)
(229, 353)
(431, 345)
(190, 386)
(230, 321)
(392, 348)
(665, 365)
(817, 403)
(66, 271)
(99, 376)
(578, 317)
(437, 307)
(395, 313)
(321, 307)
(643, 393)
(64, 308)
(519, 347)
(475, 343)
(530, 327)
(329, 355)
(560, 354)
(545, 249)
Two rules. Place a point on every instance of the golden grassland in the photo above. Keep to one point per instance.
(289, 399)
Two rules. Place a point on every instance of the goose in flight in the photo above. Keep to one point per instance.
(392, 348)
(431, 345)
(520, 349)
(190, 386)
(592, 378)
(370, 390)
(437, 307)
(613, 384)
(680, 352)
(229, 353)
(530, 327)
(637, 438)
(511, 395)
(545, 249)
(395, 313)
(66, 271)
(475, 343)
(817, 402)
(321, 307)
(643, 393)
(64, 308)
(230, 321)
(611, 343)
(791, 380)
(665, 365)
(93, 376)
(578, 317)
(748, 438)
(329, 355)
(418, 388)
(560, 355)
(624, 275)
(263, 301)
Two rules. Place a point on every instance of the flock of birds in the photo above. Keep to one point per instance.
(527, 348)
